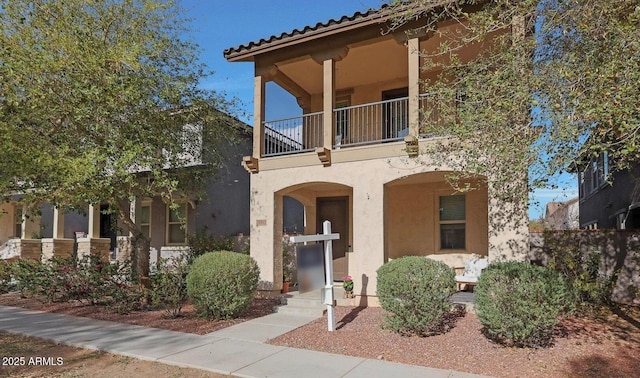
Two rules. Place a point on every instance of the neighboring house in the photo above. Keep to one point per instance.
(562, 215)
(349, 158)
(608, 200)
(224, 212)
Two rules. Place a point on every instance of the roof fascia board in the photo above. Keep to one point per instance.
(249, 54)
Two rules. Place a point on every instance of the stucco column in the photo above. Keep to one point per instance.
(262, 230)
(328, 101)
(413, 51)
(258, 115)
(30, 225)
(508, 229)
(277, 240)
(58, 223)
(135, 208)
(94, 222)
(23, 228)
(368, 235)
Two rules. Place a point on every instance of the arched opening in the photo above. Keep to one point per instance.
(320, 201)
(425, 216)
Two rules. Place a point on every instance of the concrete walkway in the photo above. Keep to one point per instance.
(237, 350)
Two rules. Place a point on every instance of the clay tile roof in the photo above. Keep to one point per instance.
(307, 31)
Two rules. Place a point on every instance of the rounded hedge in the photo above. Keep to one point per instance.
(222, 284)
(520, 304)
(415, 293)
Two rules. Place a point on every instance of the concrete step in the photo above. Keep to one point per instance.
(301, 304)
(300, 311)
(466, 299)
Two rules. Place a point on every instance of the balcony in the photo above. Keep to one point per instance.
(293, 135)
(372, 123)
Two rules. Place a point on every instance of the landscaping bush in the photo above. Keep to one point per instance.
(5, 276)
(169, 285)
(590, 288)
(89, 280)
(415, 293)
(520, 304)
(31, 276)
(222, 284)
(202, 242)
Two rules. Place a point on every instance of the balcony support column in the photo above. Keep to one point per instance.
(58, 223)
(258, 115)
(328, 101)
(94, 221)
(413, 51)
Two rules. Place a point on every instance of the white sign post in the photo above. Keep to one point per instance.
(327, 291)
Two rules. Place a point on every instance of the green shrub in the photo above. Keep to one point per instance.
(222, 284)
(580, 266)
(202, 242)
(169, 285)
(520, 304)
(5, 276)
(32, 277)
(415, 293)
(90, 280)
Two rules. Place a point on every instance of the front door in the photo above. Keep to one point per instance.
(336, 210)
(107, 226)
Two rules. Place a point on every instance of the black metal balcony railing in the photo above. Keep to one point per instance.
(293, 135)
(377, 122)
(372, 123)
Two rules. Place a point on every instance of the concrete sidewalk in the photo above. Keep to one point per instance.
(237, 350)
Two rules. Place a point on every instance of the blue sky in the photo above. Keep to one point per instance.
(220, 24)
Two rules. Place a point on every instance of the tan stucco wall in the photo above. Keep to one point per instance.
(366, 171)
(412, 219)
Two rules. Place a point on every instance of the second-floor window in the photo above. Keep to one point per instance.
(594, 175)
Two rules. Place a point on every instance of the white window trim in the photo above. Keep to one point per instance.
(168, 223)
(147, 204)
(439, 222)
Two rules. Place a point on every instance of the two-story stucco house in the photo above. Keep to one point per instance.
(347, 157)
(51, 231)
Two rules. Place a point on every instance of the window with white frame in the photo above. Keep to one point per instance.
(177, 224)
(145, 219)
(453, 222)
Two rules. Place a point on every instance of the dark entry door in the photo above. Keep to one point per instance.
(107, 226)
(336, 211)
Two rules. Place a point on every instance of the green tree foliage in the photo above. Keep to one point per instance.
(95, 97)
(557, 80)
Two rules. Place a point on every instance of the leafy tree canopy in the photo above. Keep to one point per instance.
(558, 81)
(99, 103)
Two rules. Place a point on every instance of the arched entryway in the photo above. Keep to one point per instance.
(324, 201)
